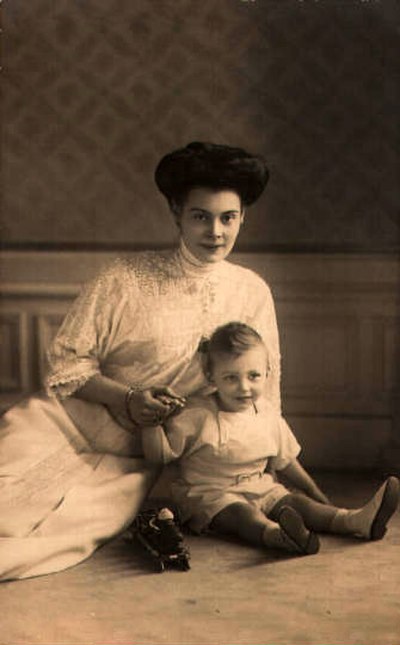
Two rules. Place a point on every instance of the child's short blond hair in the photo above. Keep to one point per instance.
(233, 339)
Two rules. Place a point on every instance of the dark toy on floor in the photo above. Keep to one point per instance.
(158, 532)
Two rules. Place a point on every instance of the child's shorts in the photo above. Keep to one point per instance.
(199, 504)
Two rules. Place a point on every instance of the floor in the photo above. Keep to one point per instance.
(348, 594)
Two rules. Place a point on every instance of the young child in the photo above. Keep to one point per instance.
(229, 446)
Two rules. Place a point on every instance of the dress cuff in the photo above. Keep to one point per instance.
(62, 386)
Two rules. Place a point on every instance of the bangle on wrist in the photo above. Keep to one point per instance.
(131, 391)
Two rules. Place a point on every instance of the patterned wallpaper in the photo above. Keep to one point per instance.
(97, 90)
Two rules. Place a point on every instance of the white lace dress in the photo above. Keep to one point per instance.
(71, 476)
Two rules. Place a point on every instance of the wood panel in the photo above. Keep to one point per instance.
(46, 327)
(344, 443)
(14, 351)
(390, 354)
(319, 353)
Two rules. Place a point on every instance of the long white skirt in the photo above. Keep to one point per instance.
(62, 492)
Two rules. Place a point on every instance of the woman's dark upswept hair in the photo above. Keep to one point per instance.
(210, 165)
(233, 339)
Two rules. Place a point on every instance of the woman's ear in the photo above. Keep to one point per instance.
(205, 369)
(176, 212)
(242, 215)
(205, 365)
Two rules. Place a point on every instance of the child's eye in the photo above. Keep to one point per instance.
(230, 378)
(254, 376)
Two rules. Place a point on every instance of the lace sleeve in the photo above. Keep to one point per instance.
(266, 324)
(84, 337)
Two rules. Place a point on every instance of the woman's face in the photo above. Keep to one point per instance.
(209, 222)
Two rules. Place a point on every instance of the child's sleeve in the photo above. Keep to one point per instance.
(162, 445)
(288, 446)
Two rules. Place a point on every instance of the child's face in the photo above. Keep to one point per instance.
(240, 379)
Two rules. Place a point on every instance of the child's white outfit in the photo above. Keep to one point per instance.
(223, 457)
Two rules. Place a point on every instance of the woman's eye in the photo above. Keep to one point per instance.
(200, 217)
(228, 218)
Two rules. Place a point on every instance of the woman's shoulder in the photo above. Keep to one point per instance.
(244, 276)
(112, 269)
(247, 282)
(153, 266)
(109, 277)
(143, 269)
(147, 261)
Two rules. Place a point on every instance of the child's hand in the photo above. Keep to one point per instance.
(150, 407)
(169, 398)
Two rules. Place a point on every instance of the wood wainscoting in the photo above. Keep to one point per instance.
(338, 317)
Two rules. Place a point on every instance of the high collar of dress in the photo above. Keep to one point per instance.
(192, 265)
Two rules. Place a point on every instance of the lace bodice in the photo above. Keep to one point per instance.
(142, 319)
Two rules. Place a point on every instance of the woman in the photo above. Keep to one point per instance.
(125, 357)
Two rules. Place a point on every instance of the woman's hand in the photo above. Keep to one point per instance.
(152, 406)
(146, 408)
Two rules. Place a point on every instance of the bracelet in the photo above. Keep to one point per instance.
(131, 391)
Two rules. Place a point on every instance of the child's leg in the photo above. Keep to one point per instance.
(248, 522)
(316, 516)
(368, 522)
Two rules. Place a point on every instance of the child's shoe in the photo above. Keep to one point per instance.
(290, 534)
(296, 533)
(369, 522)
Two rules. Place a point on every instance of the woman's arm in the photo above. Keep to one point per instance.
(264, 320)
(85, 336)
(143, 407)
(82, 344)
(101, 389)
(299, 477)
